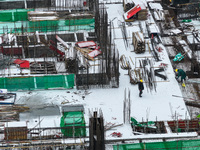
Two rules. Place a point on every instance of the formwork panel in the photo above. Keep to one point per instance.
(80, 36)
(67, 37)
(15, 133)
(40, 51)
(12, 5)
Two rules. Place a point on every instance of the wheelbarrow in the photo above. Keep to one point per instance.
(179, 56)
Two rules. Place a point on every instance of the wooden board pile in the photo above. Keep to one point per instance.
(11, 112)
(128, 6)
(42, 15)
(143, 13)
(86, 50)
(89, 49)
(138, 42)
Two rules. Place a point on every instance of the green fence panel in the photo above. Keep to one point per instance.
(173, 145)
(20, 83)
(43, 26)
(76, 22)
(54, 81)
(5, 16)
(71, 119)
(14, 15)
(37, 82)
(163, 145)
(21, 14)
(69, 81)
(2, 83)
(190, 145)
(138, 146)
(32, 27)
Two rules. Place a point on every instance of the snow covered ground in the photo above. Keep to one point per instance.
(157, 105)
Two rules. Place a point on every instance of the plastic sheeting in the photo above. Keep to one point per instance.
(73, 119)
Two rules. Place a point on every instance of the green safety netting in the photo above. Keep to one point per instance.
(73, 119)
(174, 145)
(37, 82)
(79, 22)
(14, 15)
(47, 25)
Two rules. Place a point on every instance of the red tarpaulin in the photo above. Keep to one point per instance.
(94, 53)
(132, 12)
(22, 63)
(86, 44)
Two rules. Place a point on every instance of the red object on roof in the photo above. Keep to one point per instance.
(84, 3)
(22, 63)
(53, 47)
(132, 11)
(86, 44)
(94, 53)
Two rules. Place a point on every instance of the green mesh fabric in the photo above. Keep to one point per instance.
(40, 82)
(47, 25)
(174, 145)
(79, 22)
(72, 119)
(14, 15)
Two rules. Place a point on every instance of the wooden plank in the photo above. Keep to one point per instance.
(83, 51)
(62, 42)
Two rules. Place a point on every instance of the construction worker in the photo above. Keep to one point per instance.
(140, 87)
(182, 74)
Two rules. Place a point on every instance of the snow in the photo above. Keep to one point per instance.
(142, 3)
(3, 91)
(43, 18)
(42, 13)
(14, 71)
(186, 48)
(155, 6)
(153, 28)
(16, 124)
(176, 31)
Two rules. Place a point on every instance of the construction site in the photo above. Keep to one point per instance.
(69, 74)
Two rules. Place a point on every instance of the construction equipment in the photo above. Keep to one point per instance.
(179, 56)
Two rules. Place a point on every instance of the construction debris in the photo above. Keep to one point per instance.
(143, 13)
(89, 49)
(116, 134)
(135, 76)
(157, 73)
(128, 5)
(124, 63)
